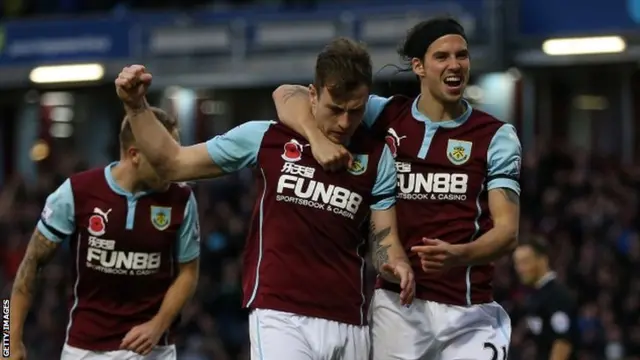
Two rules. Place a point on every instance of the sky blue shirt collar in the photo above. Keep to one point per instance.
(445, 124)
(117, 188)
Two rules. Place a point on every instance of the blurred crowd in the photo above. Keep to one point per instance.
(586, 206)
(26, 8)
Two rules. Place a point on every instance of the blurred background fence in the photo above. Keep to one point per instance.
(575, 104)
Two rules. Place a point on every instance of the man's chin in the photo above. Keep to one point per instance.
(159, 186)
(452, 97)
(336, 138)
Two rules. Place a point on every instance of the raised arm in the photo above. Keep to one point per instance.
(173, 162)
(504, 158)
(388, 255)
(55, 225)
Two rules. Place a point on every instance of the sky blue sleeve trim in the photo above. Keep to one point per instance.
(504, 158)
(385, 186)
(374, 107)
(238, 148)
(189, 232)
(48, 233)
(185, 260)
(384, 204)
(502, 183)
(57, 220)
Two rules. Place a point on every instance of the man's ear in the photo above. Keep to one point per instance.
(313, 97)
(134, 155)
(418, 67)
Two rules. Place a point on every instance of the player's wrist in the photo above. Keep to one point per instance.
(313, 134)
(136, 107)
(162, 321)
(399, 261)
(462, 254)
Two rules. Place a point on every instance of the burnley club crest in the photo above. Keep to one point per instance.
(458, 151)
(360, 162)
(160, 217)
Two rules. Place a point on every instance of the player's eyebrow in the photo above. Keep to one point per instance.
(441, 53)
(337, 108)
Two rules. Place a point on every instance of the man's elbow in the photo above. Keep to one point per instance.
(508, 229)
(279, 93)
(166, 170)
(510, 232)
(170, 166)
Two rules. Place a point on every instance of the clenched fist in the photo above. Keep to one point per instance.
(132, 84)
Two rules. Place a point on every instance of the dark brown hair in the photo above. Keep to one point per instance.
(538, 244)
(342, 67)
(126, 135)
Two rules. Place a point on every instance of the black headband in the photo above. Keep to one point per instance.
(424, 34)
(439, 28)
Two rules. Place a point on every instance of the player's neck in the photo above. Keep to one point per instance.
(124, 175)
(436, 110)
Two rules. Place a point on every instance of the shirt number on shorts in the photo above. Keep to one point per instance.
(494, 349)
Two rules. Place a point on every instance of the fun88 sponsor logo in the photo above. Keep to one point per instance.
(102, 256)
(318, 195)
(433, 186)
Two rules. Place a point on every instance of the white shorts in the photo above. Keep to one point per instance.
(434, 331)
(158, 353)
(277, 335)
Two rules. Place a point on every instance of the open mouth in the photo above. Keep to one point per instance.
(337, 135)
(453, 81)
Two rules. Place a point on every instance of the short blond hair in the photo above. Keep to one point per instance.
(126, 134)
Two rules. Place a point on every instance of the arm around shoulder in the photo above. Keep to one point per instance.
(375, 106)
(294, 109)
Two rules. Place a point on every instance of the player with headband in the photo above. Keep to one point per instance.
(458, 201)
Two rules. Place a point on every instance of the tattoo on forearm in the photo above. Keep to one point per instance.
(511, 196)
(380, 252)
(295, 91)
(39, 251)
